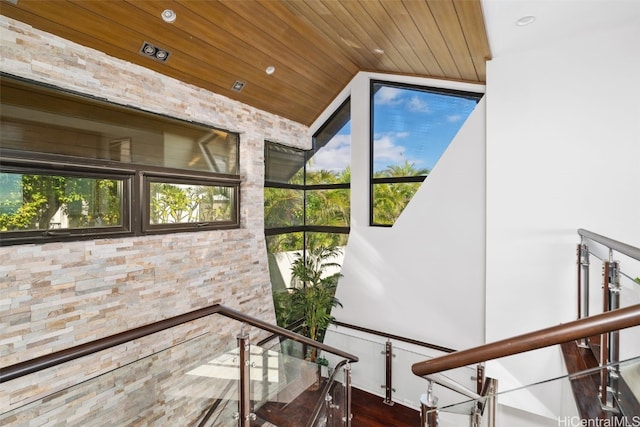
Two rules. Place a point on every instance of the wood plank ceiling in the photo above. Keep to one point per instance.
(316, 46)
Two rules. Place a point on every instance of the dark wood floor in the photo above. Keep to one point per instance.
(586, 387)
(368, 411)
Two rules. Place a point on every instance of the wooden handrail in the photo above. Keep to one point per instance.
(395, 337)
(49, 360)
(586, 327)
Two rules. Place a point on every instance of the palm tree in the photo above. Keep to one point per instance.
(314, 290)
(390, 199)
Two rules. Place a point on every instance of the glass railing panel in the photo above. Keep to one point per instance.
(629, 277)
(559, 409)
(175, 386)
(408, 390)
(332, 407)
(337, 410)
(286, 384)
(369, 373)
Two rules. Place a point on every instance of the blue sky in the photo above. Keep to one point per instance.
(410, 125)
(415, 126)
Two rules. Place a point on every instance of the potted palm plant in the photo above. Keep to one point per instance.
(314, 288)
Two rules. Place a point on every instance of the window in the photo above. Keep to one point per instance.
(179, 203)
(77, 167)
(411, 128)
(309, 190)
(307, 196)
(36, 202)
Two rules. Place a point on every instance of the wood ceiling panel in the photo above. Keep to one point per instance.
(414, 40)
(310, 50)
(475, 34)
(317, 46)
(272, 39)
(446, 15)
(318, 41)
(336, 27)
(396, 41)
(425, 21)
(366, 14)
(224, 55)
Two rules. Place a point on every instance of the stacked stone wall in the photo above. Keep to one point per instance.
(56, 295)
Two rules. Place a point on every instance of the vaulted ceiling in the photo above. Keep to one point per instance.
(315, 46)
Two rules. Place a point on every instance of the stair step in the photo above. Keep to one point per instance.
(586, 387)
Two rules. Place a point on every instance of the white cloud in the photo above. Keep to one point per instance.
(335, 156)
(417, 105)
(388, 96)
(387, 151)
(453, 118)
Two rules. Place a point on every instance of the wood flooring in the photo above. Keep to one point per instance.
(368, 411)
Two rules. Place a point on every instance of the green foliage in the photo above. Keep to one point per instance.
(314, 290)
(286, 207)
(637, 279)
(29, 202)
(180, 203)
(322, 361)
(286, 312)
(389, 200)
(172, 204)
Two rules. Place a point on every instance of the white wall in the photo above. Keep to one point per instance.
(423, 278)
(563, 149)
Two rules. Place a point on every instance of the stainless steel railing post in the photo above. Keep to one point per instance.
(347, 391)
(245, 416)
(492, 402)
(610, 342)
(583, 286)
(388, 385)
(429, 408)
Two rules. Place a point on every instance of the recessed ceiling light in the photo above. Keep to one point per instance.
(154, 52)
(270, 69)
(168, 15)
(237, 86)
(525, 20)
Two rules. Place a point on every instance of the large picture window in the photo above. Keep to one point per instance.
(411, 128)
(307, 200)
(78, 167)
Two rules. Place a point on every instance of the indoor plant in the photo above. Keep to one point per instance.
(314, 289)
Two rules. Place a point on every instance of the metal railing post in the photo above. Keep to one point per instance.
(388, 386)
(610, 342)
(479, 377)
(429, 408)
(244, 399)
(347, 395)
(583, 286)
(492, 402)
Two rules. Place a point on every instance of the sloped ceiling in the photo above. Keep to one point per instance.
(316, 46)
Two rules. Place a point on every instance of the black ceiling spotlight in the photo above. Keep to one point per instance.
(154, 52)
(237, 86)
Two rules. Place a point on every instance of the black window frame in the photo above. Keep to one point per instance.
(43, 164)
(134, 201)
(215, 181)
(476, 96)
(340, 114)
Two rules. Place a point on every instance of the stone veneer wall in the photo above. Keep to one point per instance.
(56, 295)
